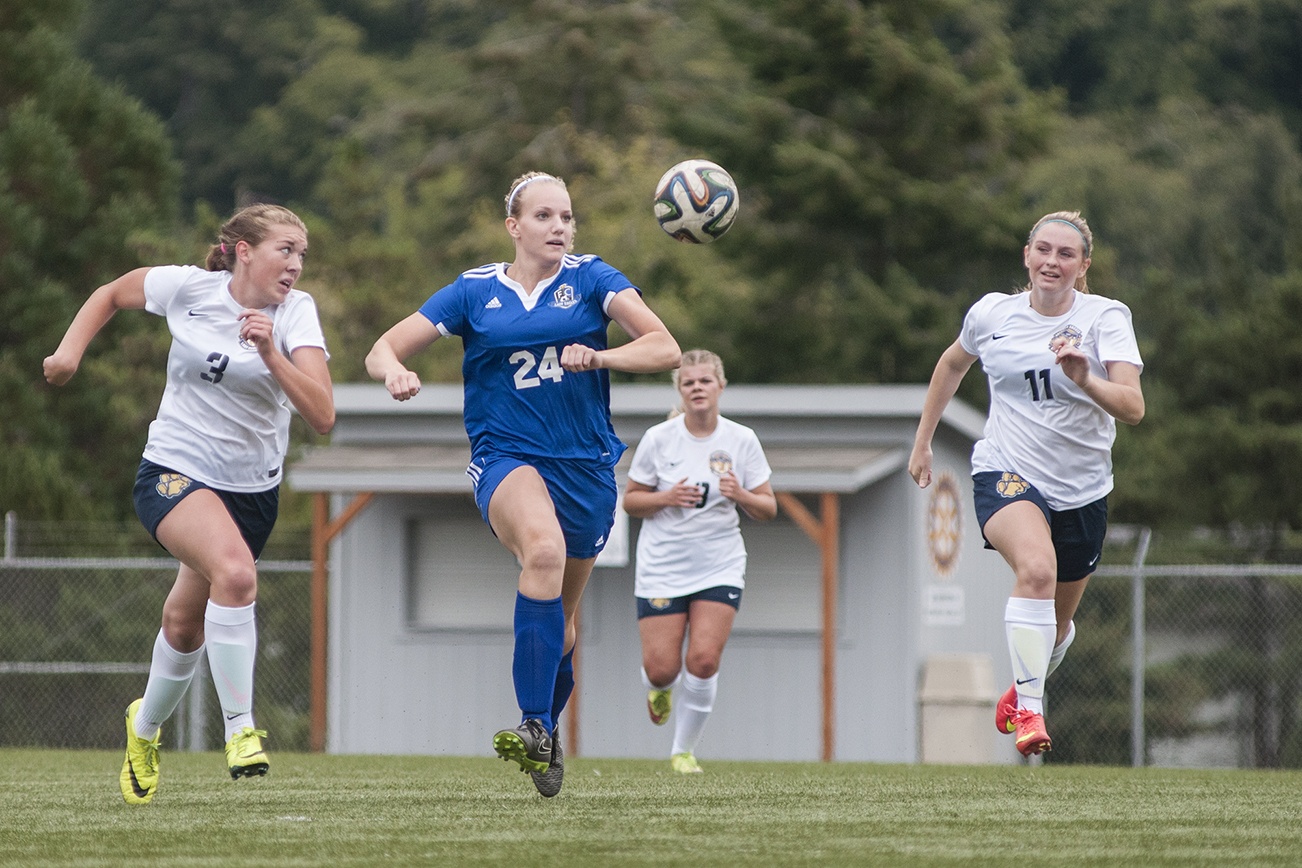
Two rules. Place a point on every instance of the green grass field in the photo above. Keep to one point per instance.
(63, 808)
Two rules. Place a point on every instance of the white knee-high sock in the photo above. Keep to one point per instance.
(1031, 627)
(695, 702)
(170, 673)
(232, 640)
(1060, 650)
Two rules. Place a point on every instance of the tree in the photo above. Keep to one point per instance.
(86, 178)
(204, 67)
(879, 146)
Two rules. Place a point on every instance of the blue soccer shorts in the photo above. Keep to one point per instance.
(159, 489)
(582, 490)
(1077, 534)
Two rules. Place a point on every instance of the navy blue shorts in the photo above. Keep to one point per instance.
(159, 489)
(583, 492)
(648, 606)
(1077, 534)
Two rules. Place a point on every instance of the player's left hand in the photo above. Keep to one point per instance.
(1073, 362)
(729, 487)
(579, 357)
(255, 327)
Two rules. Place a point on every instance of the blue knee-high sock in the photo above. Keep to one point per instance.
(564, 687)
(539, 638)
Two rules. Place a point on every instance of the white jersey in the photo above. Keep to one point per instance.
(223, 420)
(683, 550)
(1041, 424)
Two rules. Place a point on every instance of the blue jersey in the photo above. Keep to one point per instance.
(518, 398)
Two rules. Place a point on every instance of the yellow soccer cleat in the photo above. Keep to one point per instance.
(244, 754)
(685, 764)
(658, 705)
(139, 778)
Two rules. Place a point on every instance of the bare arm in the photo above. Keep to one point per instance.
(953, 365)
(760, 503)
(385, 360)
(652, 349)
(305, 377)
(1119, 394)
(125, 293)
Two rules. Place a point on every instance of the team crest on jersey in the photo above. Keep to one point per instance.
(564, 297)
(172, 485)
(720, 462)
(247, 344)
(1070, 334)
(1011, 485)
(659, 603)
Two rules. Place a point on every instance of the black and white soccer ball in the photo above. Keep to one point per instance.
(696, 201)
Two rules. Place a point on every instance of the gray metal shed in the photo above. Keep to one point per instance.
(858, 582)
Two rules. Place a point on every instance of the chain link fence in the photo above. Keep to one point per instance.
(1177, 665)
(77, 631)
(1184, 664)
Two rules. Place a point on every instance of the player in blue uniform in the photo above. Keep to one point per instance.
(537, 411)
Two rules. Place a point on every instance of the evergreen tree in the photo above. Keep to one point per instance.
(85, 177)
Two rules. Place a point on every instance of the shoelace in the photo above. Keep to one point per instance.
(242, 737)
(151, 756)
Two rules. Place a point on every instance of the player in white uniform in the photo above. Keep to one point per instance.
(537, 411)
(1062, 367)
(245, 345)
(688, 477)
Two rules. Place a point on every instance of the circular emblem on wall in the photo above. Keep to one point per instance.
(944, 524)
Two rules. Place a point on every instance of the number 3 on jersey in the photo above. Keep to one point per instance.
(548, 369)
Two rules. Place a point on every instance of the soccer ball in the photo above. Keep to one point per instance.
(696, 201)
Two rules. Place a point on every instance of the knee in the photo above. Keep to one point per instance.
(703, 665)
(182, 629)
(1037, 577)
(234, 584)
(661, 673)
(544, 555)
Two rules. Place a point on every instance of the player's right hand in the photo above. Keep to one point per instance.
(920, 465)
(684, 495)
(402, 385)
(59, 369)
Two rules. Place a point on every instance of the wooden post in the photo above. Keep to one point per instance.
(323, 531)
(826, 534)
(831, 579)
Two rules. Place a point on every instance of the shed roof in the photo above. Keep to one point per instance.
(818, 438)
(436, 469)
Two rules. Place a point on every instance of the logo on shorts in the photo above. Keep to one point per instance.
(659, 603)
(1011, 485)
(564, 297)
(1070, 334)
(172, 484)
(720, 462)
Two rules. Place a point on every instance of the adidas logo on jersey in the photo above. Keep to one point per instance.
(492, 305)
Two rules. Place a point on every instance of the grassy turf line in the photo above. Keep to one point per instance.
(63, 807)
